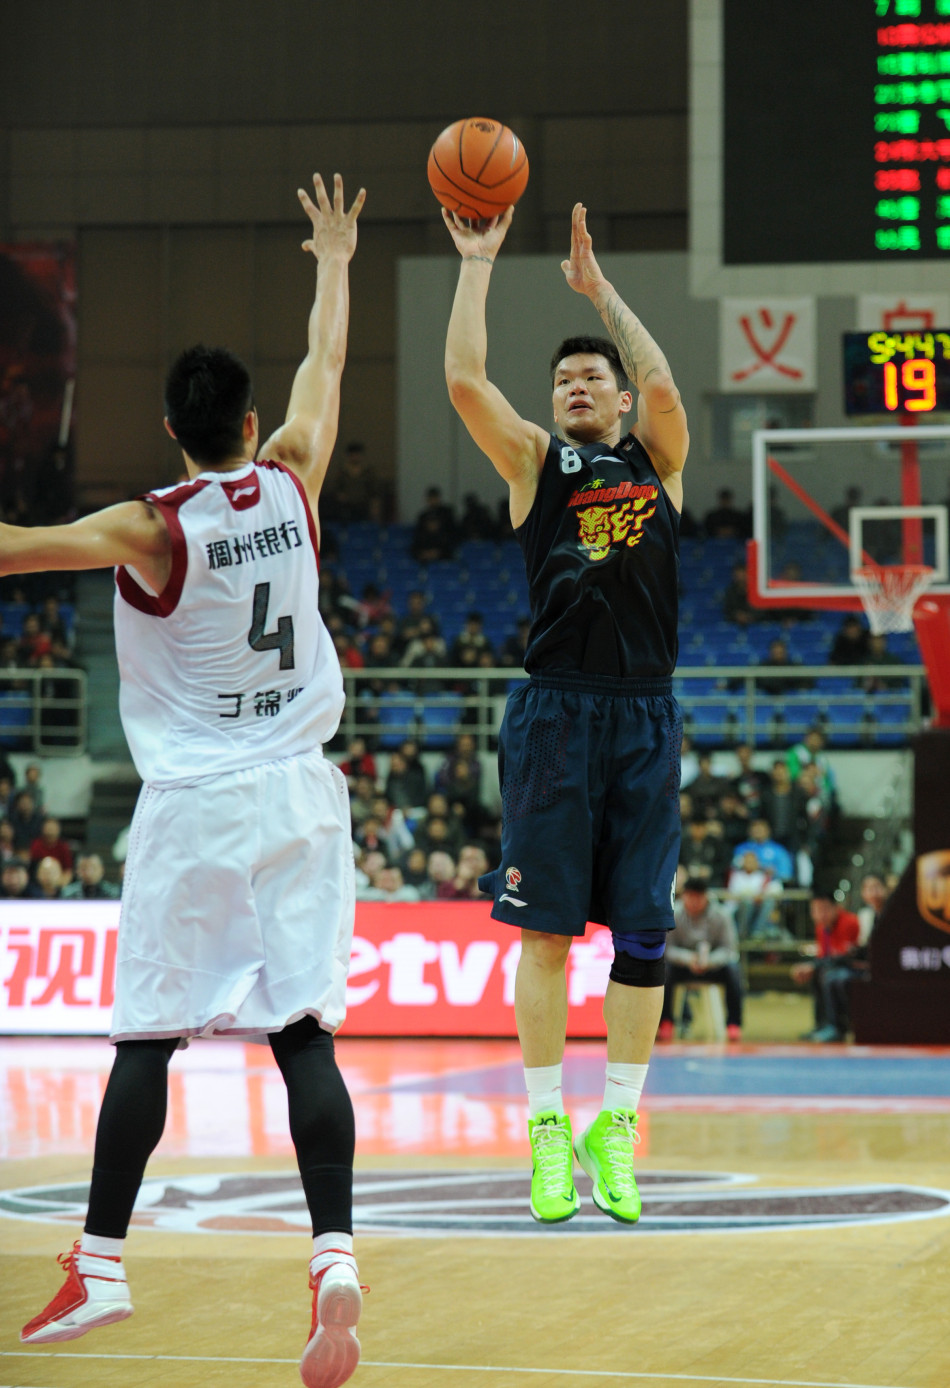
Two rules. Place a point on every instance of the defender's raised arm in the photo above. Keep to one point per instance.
(305, 441)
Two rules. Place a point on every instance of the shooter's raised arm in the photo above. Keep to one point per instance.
(661, 418)
(514, 445)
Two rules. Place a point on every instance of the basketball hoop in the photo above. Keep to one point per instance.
(889, 593)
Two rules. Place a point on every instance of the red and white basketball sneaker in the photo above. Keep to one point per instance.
(333, 1351)
(95, 1293)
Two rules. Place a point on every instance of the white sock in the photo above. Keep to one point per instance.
(624, 1085)
(327, 1249)
(104, 1248)
(544, 1089)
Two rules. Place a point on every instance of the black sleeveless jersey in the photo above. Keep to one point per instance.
(601, 549)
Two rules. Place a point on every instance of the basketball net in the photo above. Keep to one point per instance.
(889, 593)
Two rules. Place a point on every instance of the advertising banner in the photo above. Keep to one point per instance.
(906, 998)
(426, 969)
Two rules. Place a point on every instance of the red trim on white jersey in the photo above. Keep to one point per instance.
(282, 467)
(167, 600)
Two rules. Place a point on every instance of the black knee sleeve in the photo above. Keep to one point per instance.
(638, 973)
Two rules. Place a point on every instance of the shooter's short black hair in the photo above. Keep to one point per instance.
(572, 346)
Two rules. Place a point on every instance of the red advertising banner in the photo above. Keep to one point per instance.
(427, 969)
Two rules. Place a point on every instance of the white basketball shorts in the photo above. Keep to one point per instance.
(237, 905)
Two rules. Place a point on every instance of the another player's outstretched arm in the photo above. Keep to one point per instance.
(515, 446)
(661, 417)
(305, 441)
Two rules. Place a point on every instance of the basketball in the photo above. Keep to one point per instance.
(477, 168)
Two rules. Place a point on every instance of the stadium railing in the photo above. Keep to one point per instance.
(722, 704)
(43, 711)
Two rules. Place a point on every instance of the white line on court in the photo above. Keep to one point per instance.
(620, 1374)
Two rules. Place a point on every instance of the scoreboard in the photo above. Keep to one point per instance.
(897, 373)
(836, 131)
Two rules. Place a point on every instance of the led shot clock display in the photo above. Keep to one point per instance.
(897, 373)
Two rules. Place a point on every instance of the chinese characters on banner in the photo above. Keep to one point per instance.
(430, 969)
(766, 346)
(902, 313)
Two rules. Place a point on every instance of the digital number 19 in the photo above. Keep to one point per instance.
(918, 375)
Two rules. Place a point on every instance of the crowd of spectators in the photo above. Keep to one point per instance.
(36, 860)
(39, 640)
(754, 833)
(419, 836)
(365, 627)
(749, 833)
(853, 644)
(42, 639)
(369, 635)
(704, 948)
(840, 955)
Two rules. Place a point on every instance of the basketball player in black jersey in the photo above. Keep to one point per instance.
(589, 747)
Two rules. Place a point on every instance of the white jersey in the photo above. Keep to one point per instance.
(231, 664)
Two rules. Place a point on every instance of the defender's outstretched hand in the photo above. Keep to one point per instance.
(334, 230)
(582, 272)
(482, 242)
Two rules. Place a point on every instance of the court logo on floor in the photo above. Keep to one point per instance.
(484, 1203)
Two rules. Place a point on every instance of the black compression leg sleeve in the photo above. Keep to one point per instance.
(131, 1123)
(321, 1122)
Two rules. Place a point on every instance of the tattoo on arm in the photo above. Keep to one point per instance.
(638, 351)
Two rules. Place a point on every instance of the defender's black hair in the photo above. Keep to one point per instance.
(207, 396)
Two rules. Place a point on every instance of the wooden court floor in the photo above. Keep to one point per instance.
(795, 1225)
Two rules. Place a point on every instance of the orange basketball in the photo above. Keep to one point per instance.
(477, 168)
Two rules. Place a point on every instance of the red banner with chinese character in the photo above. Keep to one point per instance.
(432, 969)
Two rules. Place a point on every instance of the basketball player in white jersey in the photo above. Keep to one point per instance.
(237, 908)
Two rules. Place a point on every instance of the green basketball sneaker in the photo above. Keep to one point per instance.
(553, 1196)
(605, 1151)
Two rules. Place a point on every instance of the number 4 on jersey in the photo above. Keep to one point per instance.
(280, 640)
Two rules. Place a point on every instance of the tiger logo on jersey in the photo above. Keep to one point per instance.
(600, 527)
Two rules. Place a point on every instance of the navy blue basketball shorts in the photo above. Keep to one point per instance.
(590, 780)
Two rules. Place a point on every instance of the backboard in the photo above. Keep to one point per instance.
(827, 501)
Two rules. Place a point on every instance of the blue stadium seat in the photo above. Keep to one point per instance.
(802, 713)
(397, 718)
(13, 614)
(16, 717)
(439, 717)
(891, 723)
(712, 724)
(696, 688)
(769, 723)
(847, 725)
(834, 684)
